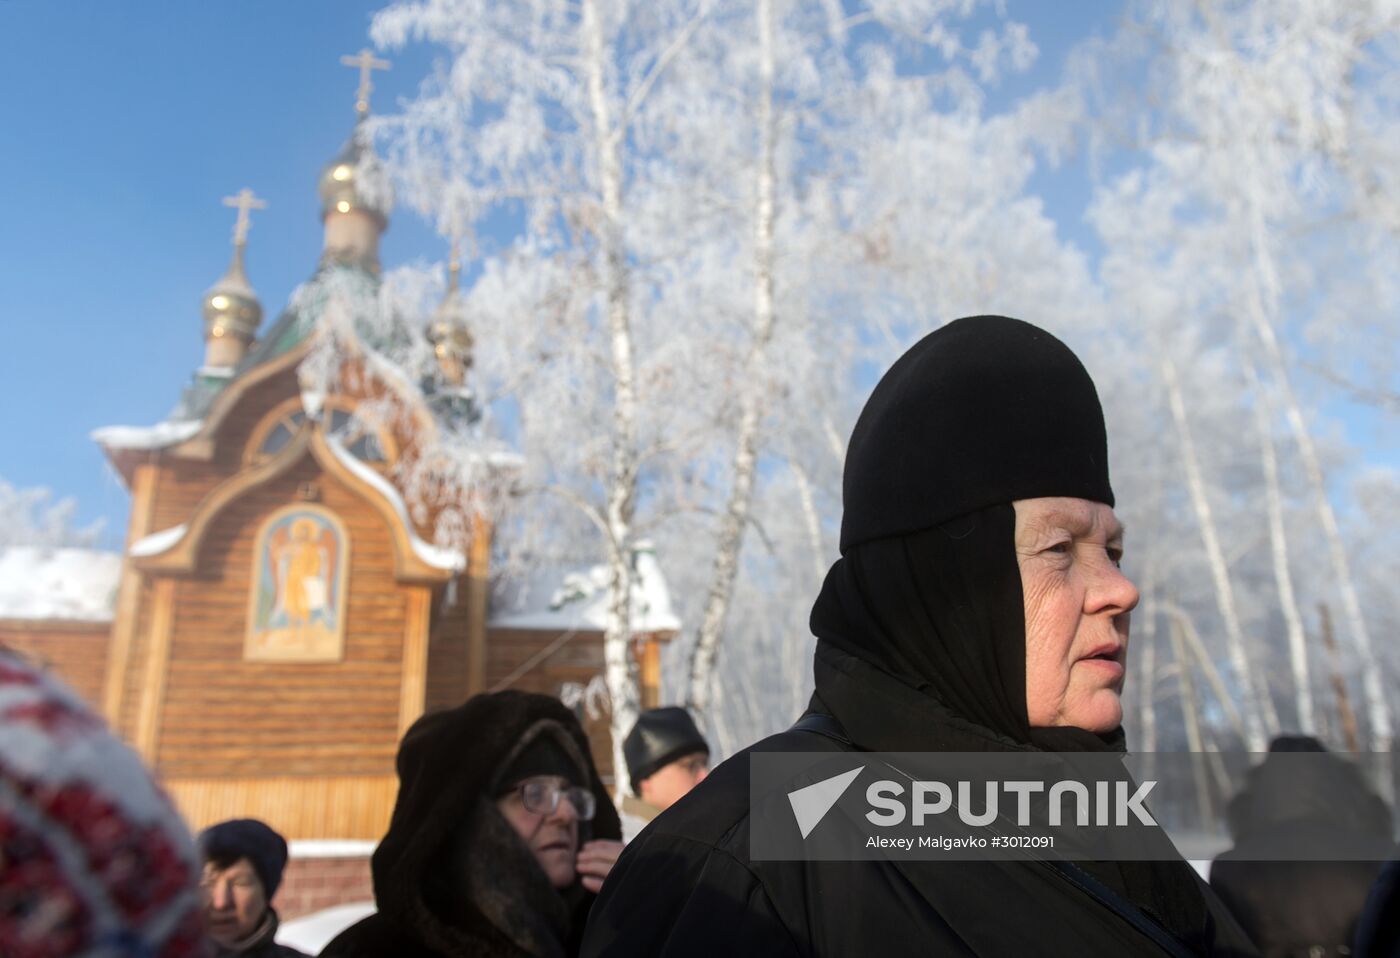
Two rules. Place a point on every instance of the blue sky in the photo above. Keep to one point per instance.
(127, 121)
(125, 124)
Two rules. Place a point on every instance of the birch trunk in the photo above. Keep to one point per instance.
(1191, 715)
(1345, 713)
(1278, 542)
(797, 641)
(1148, 641)
(1147, 671)
(1372, 683)
(620, 665)
(1255, 736)
(1197, 648)
(1146, 644)
(730, 539)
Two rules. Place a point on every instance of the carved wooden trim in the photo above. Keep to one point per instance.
(201, 445)
(413, 685)
(128, 595)
(156, 670)
(183, 556)
(478, 597)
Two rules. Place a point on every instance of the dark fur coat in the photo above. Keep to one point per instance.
(451, 877)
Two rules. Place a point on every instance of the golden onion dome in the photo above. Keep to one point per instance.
(355, 180)
(230, 307)
(448, 332)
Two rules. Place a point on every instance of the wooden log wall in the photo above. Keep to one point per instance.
(576, 659)
(332, 807)
(447, 650)
(74, 651)
(223, 716)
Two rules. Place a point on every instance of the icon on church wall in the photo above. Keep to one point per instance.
(297, 609)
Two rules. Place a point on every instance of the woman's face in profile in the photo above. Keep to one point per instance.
(546, 820)
(1076, 603)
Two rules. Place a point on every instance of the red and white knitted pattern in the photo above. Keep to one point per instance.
(94, 861)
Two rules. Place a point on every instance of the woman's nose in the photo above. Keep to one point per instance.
(1116, 591)
(566, 810)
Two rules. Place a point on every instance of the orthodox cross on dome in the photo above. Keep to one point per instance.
(366, 63)
(243, 202)
(454, 262)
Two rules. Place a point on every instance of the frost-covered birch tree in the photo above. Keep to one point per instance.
(798, 109)
(539, 117)
(1246, 224)
(32, 518)
(687, 189)
(699, 229)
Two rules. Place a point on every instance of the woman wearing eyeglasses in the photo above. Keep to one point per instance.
(501, 836)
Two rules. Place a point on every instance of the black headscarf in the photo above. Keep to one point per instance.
(942, 610)
(922, 646)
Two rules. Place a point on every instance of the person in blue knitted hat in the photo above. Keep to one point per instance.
(243, 863)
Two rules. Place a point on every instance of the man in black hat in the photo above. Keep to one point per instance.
(243, 863)
(666, 757)
(1310, 837)
(978, 606)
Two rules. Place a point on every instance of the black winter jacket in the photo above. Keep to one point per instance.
(1310, 810)
(688, 887)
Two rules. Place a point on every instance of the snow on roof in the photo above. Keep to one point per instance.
(329, 848)
(436, 556)
(311, 933)
(157, 542)
(65, 584)
(159, 436)
(579, 600)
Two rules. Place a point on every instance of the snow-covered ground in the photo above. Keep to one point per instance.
(70, 584)
(329, 848)
(311, 933)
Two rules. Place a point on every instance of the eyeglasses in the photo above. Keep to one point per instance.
(542, 798)
(695, 765)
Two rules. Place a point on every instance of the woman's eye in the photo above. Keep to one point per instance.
(1116, 557)
(1061, 548)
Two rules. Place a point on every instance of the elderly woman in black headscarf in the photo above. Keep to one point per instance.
(500, 838)
(978, 606)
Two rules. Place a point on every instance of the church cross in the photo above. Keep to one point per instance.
(366, 63)
(244, 201)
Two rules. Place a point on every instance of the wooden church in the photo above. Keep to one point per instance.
(279, 616)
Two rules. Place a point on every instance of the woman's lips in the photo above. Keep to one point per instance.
(1108, 666)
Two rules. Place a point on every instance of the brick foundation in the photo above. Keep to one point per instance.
(311, 884)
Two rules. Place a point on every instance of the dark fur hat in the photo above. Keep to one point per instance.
(450, 875)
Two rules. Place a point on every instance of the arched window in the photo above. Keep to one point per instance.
(368, 444)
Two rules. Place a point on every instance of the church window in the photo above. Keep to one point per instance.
(364, 442)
